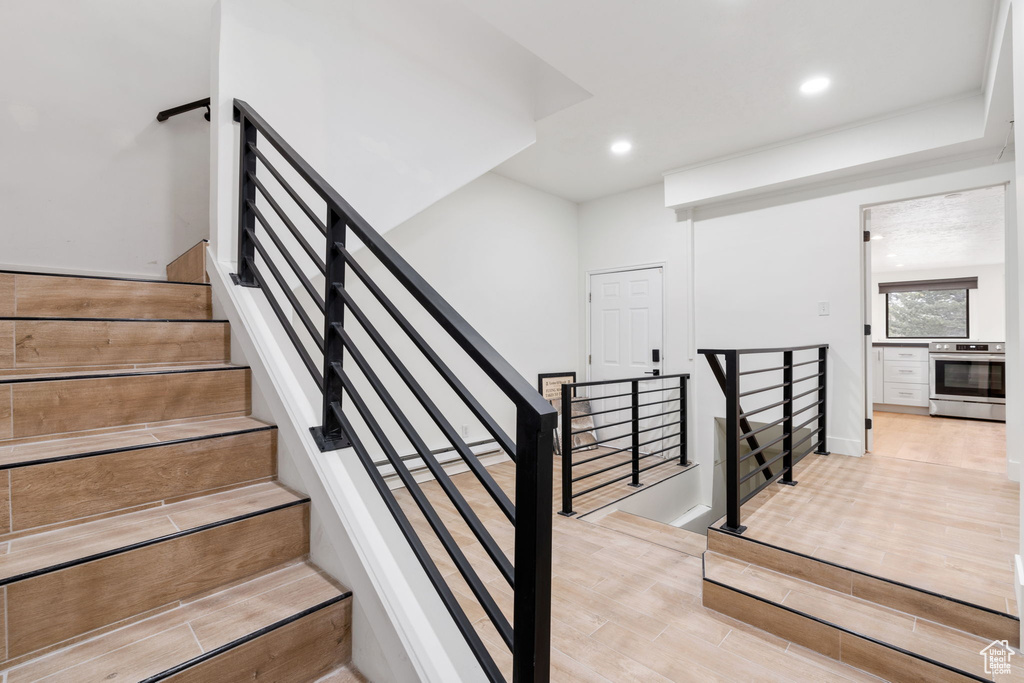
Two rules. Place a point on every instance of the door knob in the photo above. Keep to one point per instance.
(653, 372)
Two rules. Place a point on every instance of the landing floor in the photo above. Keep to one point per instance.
(625, 608)
(970, 444)
(945, 529)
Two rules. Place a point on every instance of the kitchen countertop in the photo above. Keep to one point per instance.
(916, 344)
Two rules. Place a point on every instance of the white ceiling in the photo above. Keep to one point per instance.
(945, 231)
(692, 80)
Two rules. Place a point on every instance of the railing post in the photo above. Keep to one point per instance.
(822, 448)
(732, 443)
(246, 194)
(329, 435)
(683, 455)
(635, 482)
(566, 418)
(787, 419)
(531, 648)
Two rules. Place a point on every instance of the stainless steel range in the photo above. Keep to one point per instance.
(968, 379)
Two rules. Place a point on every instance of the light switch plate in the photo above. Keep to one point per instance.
(822, 308)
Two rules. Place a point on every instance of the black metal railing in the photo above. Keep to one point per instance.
(773, 387)
(174, 111)
(359, 385)
(633, 418)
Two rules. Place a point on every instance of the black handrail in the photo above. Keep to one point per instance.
(633, 433)
(739, 429)
(529, 575)
(174, 111)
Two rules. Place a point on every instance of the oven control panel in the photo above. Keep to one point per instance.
(952, 347)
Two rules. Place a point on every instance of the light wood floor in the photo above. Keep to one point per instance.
(949, 530)
(971, 444)
(625, 608)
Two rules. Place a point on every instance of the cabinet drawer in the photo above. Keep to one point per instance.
(906, 353)
(906, 372)
(906, 394)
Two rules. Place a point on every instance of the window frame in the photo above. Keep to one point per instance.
(967, 314)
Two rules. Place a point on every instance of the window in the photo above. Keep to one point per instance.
(927, 314)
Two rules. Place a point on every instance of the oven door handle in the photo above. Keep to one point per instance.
(968, 357)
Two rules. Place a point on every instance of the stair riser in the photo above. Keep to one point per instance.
(56, 492)
(37, 408)
(301, 651)
(49, 296)
(858, 652)
(44, 610)
(31, 344)
(962, 616)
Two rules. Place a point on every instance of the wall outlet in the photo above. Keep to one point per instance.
(822, 308)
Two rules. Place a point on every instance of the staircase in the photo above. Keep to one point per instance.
(886, 628)
(143, 532)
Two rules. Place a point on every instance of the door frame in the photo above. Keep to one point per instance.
(587, 350)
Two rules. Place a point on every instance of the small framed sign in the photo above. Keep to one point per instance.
(549, 384)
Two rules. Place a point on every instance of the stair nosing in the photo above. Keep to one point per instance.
(150, 541)
(134, 373)
(893, 582)
(249, 637)
(105, 277)
(134, 447)
(843, 629)
(74, 319)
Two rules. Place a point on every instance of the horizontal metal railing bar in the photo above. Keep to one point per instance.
(625, 476)
(755, 372)
(763, 485)
(625, 462)
(763, 389)
(661, 426)
(452, 604)
(627, 435)
(623, 422)
(288, 223)
(300, 348)
(448, 542)
(483, 476)
(761, 448)
(666, 448)
(464, 509)
(303, 280)
(806, 393)
(600, 398)
(806, 422)
(808, 436)
(744, 352)
(316, 220)
(806, 362)
(808, 406)
(652, 378)
(438, 451)
(599, 457)
(312, 329)
(493, 364)
(760, 468)
(629, 407)
(755, 432)
(489, 423)
(804, 379)
(764, 408)
(805, 453)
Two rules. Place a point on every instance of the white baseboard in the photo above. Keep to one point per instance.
(854, 447)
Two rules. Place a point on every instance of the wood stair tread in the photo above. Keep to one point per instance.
(683, 540)
(346, 674)
(57, 374)
(48, 550)
(188, 629)
(134, 436)
(934, 641)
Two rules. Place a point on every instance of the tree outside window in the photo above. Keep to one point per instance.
(927, 314)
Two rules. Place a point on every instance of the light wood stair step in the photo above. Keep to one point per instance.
(35, 344)
(190, 266)
(289, 623)
(683, 540)
(894, 645)
(345, 674)
(48, 405)
(63, 583)
(73, 479)
(41, 295)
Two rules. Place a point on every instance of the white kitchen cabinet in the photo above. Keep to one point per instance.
(900, 376)
(877, 375)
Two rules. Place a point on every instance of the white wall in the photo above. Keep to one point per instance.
(632, 229)
(987, 305)
(762, 267)
(90, 182)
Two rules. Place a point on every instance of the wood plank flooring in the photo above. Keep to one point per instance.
(624, 608)
(970, 444)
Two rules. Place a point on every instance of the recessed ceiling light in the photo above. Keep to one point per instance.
(891, 255)
(621, 146)
(813, 86)
(899, 265)
(878, 237)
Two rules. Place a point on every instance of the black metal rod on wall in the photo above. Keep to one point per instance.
(566, 418)
(181, 109)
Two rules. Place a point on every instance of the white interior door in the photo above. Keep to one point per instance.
(626, 334)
